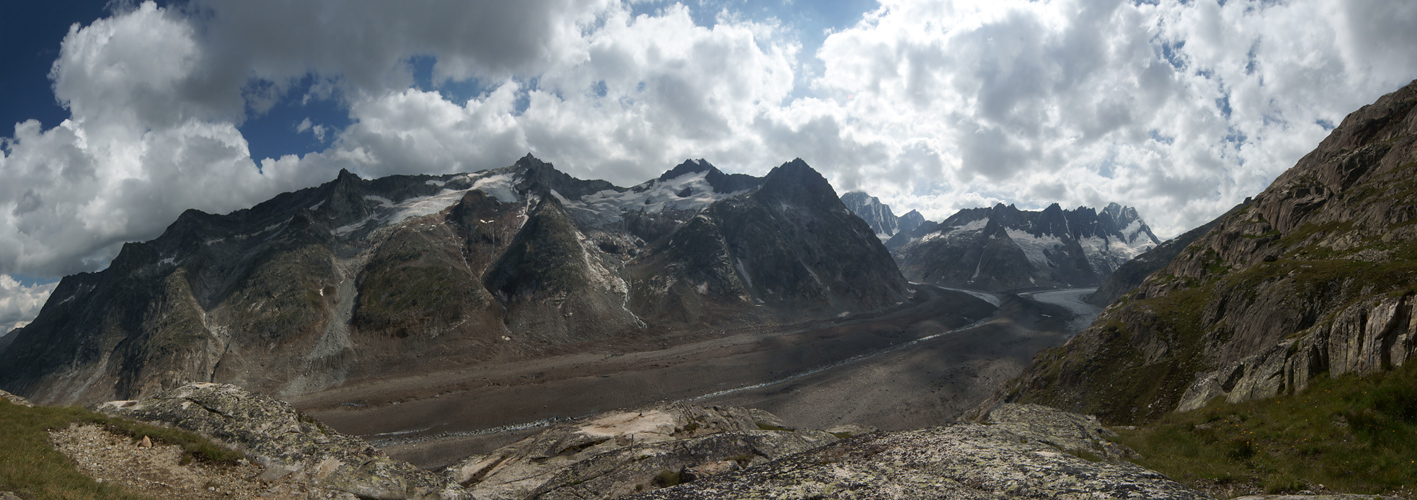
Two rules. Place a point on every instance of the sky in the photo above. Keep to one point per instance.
(126, 113)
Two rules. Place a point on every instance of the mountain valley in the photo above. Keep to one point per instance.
(520, 333)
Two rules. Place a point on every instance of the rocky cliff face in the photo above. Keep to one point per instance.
(362, 278)
(876, 214)
(1004, 248)
(1315, 275)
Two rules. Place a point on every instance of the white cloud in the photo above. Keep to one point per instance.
(19, 303)
(134, 153)
(1179, 109)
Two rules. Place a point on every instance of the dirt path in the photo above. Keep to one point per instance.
(435, 418)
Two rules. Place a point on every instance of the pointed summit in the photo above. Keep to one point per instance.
(796, 182)
(689, 167)
(542, 178)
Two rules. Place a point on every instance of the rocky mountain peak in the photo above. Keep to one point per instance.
(796, 182)
(876, 214)
(542, 178)
(910, 221)
(688, 167)
(720, 182)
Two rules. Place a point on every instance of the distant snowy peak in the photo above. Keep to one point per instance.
(1002, 247)
(717, 180)
(876, 214)
(690, 186)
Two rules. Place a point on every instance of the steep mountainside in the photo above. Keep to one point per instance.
(1315, 275)
(365, 278)
(1130, 274)
(1004, 248)
(876, 214)
(791, 243)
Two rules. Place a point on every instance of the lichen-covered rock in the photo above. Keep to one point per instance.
(1014, 458)
(13, 399)
(619, 453)
(1066, 431)
(285, 442)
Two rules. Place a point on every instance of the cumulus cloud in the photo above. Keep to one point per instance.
(19, 303)
(1179, 109)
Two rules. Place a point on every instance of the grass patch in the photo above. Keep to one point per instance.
(668, 478)
(31, 468)
(770, 427)
(1350, 434)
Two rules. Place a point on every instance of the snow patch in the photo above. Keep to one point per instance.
(954, 231)
(1034, 247)
(500, 186)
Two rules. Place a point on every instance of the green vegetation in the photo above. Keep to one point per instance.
(668, 478)
(770, 427)
(33, 469)
(1349, 434)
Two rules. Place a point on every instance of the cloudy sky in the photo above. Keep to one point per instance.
(124, 113)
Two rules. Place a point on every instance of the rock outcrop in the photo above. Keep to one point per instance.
(681, 451)
(13, 399)
(619, 453)
(286, 443)
(1315, 275)
(1022, 452)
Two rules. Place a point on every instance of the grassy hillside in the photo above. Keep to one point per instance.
(1350, 434)
(31, 468)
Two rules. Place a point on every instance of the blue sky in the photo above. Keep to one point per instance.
(118, 116)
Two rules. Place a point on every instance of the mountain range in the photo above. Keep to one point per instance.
(364, 278)
(1004, 248)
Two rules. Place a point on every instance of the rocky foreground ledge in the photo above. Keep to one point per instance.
(683, 451)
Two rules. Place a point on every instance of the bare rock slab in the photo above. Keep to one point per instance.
(1013, 458)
